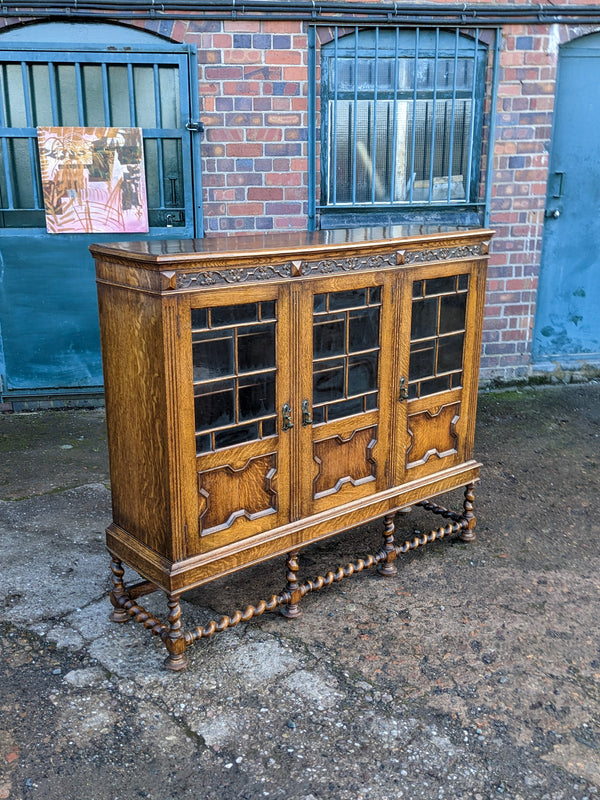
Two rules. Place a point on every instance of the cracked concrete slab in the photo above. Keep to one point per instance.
(473, 674)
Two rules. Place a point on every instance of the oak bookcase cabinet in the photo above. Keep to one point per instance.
(267, 391)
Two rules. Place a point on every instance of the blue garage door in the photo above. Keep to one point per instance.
(567, 326)
(48, 311)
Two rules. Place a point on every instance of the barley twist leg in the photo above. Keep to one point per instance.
(175, 639)
(291, 610)
(468, 534)
(118, 614)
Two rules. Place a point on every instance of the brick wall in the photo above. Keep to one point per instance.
(253, 102)
(253, 83)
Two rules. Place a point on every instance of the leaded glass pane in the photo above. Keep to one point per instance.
(230, 341)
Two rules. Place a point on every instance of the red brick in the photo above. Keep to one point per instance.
(214, 150)
(290, 223)
(283, 119)
(223, 73)
(264, 134)
(244, 179)
(296, 193)
(265, 193)
(242, 56)
(245, 209)
(224, 135)
(283, 208)
(241, 26)
(282, 57)
(222, 41)
(242, 88)
(283, 179)
(244, 150)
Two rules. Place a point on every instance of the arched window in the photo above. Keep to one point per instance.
(401, 121)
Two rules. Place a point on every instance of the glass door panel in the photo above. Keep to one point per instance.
(439, 329)
(238, 393)
(341, 400)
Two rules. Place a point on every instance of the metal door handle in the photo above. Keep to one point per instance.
(558, 190)
(286, 413)
(306, 417)
(403, 390)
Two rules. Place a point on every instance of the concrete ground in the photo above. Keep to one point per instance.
(474, 673)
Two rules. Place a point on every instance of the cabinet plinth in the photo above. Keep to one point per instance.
(268, 391)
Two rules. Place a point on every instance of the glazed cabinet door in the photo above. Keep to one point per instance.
(342, 406)
(241, 381)
(442, 333)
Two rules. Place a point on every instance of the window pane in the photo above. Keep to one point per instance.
(145, 109)
(329, 335)
(256, 348)
(452, 312)
(362, 373)
(230, 315)
(213, 355)
(424, 318)
(93, 95)
(118, 90)
(422, 360)
(13, 96)
(328, 381)
(19, 160)
(169, 97)
(215, 405)
(450, 350)
(363, 329)
(257, 396)
(399, 126)
(66, 95)
(39, 91)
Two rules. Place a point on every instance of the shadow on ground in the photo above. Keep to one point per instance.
(474, 673)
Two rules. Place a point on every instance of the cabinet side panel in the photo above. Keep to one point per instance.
(134, 380)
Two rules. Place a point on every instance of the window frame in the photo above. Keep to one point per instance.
(386, 42)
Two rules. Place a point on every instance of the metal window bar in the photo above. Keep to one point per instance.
(395, 119)
(414, 118)
(355, 116)
(105, 96)
(451, 145)
(20, 180)
(472, 126)
(433, 115)
(80, 103)
(159, 143)
(131, 88)
(441, 123)
(375, 94)
(335, 111)
(10, 203)
(30, 138)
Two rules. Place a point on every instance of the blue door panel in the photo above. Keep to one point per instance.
(567, 320)
(48, 309)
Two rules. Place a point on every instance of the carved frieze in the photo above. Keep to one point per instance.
(289, 269)
(446, 253)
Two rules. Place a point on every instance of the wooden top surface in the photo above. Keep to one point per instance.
(155, 253)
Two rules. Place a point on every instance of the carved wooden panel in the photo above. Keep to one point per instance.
(432, 435)
(228, 494)
(344, 460)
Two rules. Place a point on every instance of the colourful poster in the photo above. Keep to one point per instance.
(93, 180)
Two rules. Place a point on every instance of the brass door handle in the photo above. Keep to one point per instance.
(403, 390)
(286, 413)
(306, 417)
